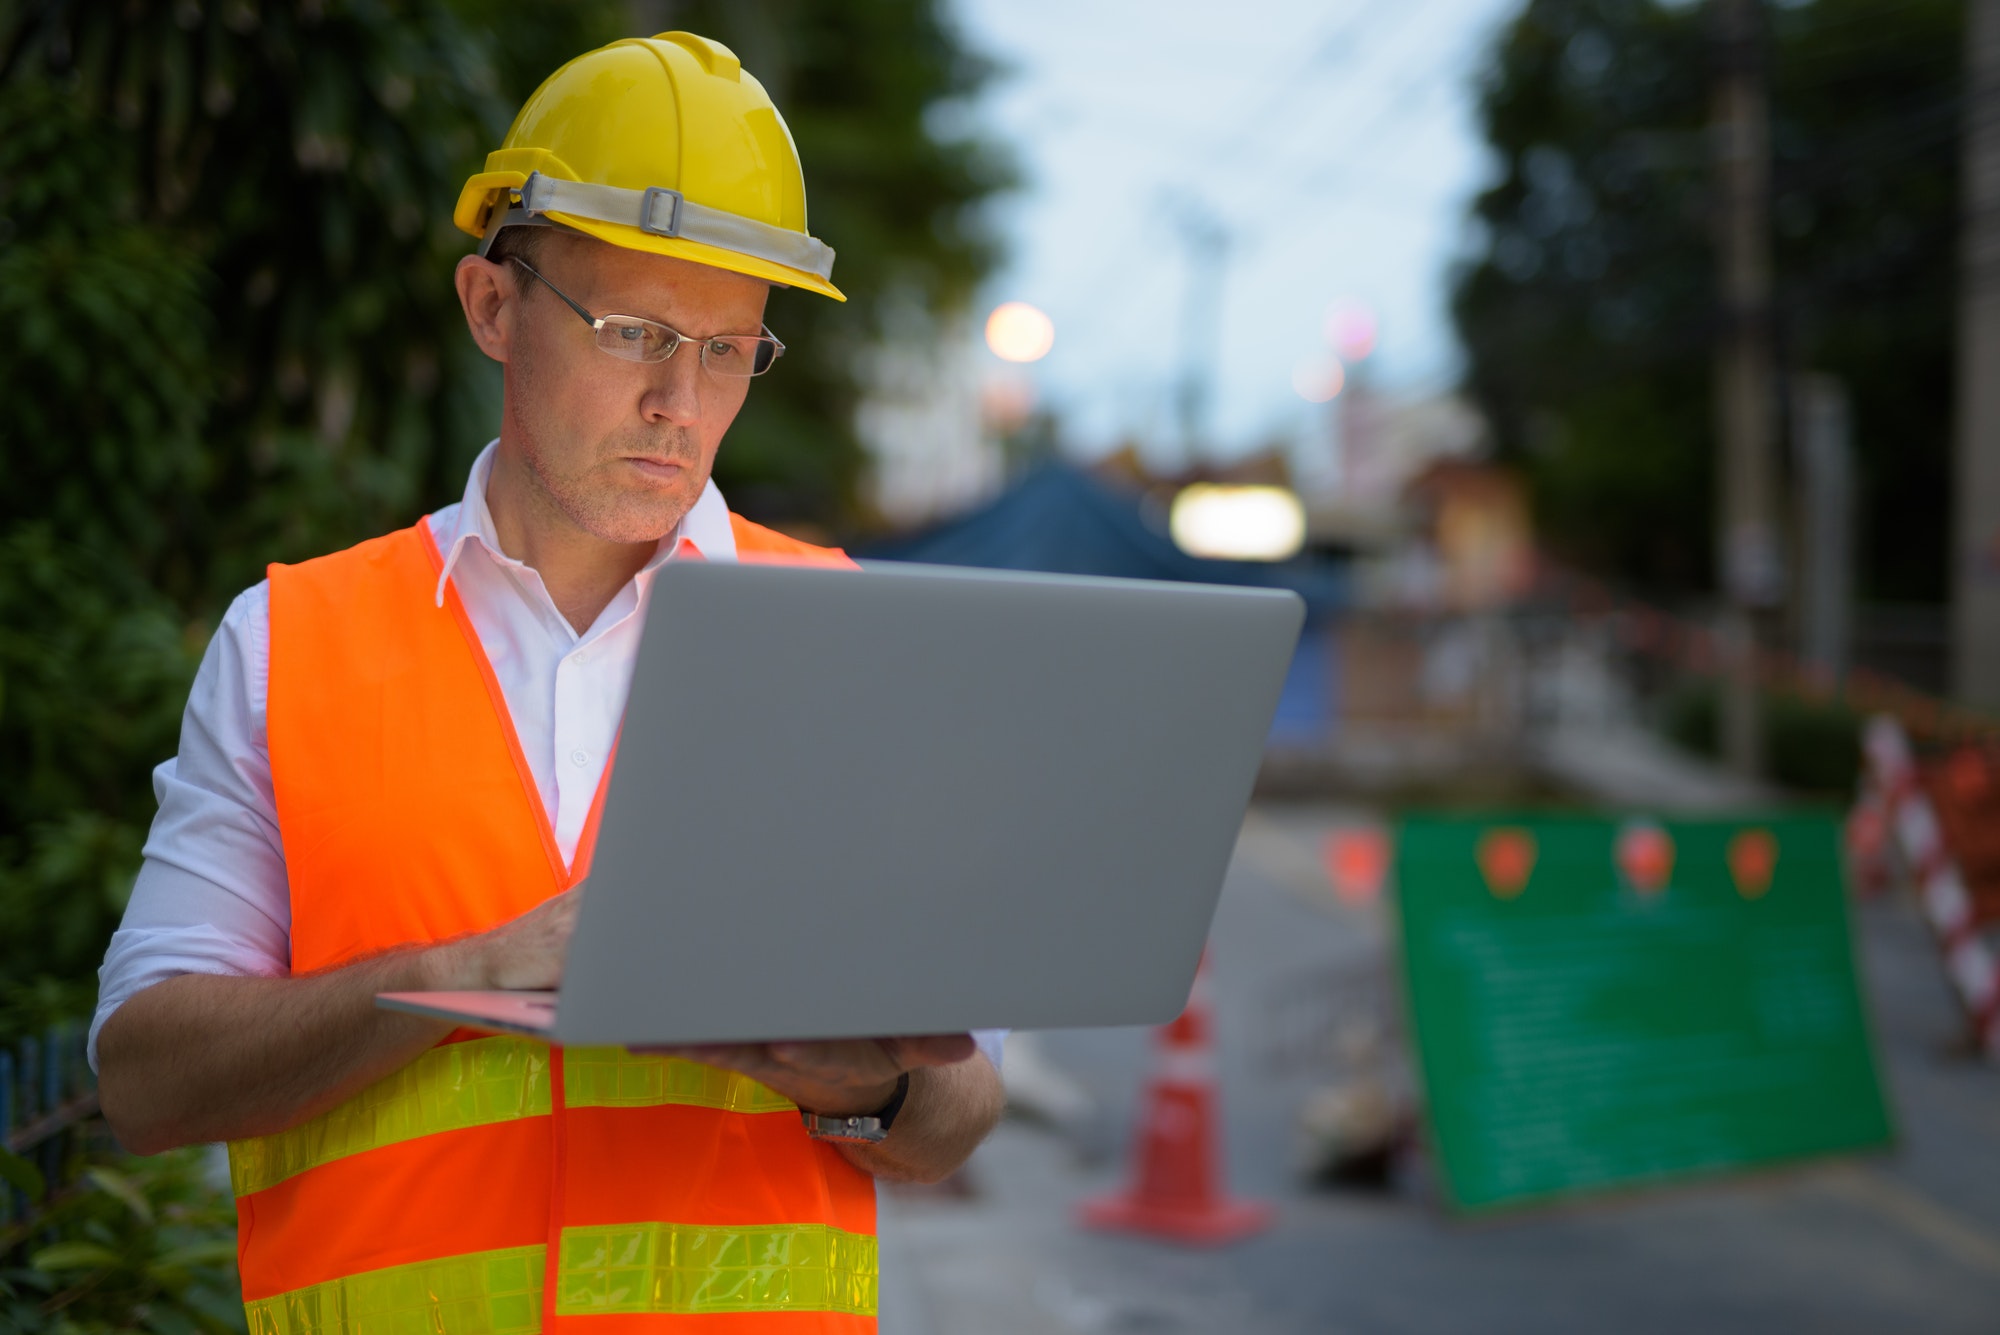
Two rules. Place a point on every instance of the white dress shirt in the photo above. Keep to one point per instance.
(212, 895)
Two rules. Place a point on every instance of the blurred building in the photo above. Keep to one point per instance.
(1353, 478)
(924, 419)
(1472, 517)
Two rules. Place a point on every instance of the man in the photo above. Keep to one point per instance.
(388, 780)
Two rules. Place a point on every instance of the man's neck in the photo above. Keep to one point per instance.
(581, 571)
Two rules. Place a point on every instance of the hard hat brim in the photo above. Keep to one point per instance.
(680, 248)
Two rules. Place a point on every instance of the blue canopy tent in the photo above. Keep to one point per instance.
(1062, 520)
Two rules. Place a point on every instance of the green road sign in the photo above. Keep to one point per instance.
(1600, 1003)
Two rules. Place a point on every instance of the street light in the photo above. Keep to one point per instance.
(1238, 523)
(1018, 332)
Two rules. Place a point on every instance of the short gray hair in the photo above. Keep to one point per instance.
(519, 243)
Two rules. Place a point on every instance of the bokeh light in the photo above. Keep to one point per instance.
(1006, 401)
(1238, 523)
(1318, 378)
(1018, 332)
(1351, 330)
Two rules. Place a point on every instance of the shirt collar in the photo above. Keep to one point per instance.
(704, 532)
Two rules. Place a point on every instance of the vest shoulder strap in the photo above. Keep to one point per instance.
(757, 544)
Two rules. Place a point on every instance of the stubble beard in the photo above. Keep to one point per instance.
(589, 485)
(602, 498)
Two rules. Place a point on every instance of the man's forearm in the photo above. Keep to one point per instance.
(204, 1058)
(950, 1109)
(201, 1058)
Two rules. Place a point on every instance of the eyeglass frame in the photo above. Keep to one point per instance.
(598, 322)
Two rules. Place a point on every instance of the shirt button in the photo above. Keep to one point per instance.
(579, 758)
(580, 657)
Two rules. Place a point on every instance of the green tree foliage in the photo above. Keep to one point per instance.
(228, 337)
(1588, 311)
(149, 1245)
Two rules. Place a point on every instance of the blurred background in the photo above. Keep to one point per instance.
(1618, 380)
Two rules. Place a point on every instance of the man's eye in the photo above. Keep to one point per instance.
(722, 349)
(631, 333)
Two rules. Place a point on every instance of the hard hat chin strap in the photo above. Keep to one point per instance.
(661, 212)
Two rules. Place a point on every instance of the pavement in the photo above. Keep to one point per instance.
(1903, 1241)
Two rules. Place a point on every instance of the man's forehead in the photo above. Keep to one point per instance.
(608, 270)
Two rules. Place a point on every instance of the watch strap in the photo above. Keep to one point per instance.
(863, 1128)
(887, 1115)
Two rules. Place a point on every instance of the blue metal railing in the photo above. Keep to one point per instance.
(47, 1093)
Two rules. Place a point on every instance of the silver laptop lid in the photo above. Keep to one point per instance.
(919, 800)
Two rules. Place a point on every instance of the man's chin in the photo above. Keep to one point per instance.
(635, 519)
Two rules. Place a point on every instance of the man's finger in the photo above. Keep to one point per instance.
(823, 1056)
(931, 1049)
(709, 1054)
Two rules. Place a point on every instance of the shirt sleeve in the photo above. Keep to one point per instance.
(212, 894)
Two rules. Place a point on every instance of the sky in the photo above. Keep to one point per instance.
(1334, 144)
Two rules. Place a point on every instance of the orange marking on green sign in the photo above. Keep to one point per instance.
(1645, 854)
(1753, 857)
(1506, 859)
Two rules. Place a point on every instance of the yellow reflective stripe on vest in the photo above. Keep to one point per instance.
(488, 1080)
(449, 1088)
(623, 1269)
(690, 1269)
(614, 1078)
(482, 1293)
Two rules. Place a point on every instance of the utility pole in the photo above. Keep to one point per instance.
(643, 18)
(1823, 460)
(1746, 532)
(1975, 549)
(1207, 244)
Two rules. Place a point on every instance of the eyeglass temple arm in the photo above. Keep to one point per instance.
(583, 314)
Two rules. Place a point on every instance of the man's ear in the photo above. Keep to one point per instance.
(490, 296)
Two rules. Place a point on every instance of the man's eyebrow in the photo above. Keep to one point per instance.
(722, 333)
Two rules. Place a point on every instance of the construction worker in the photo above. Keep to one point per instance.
(388, 780)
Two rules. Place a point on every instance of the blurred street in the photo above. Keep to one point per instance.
(1907, 1241)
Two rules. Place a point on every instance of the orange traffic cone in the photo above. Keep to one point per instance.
(1180, 1193)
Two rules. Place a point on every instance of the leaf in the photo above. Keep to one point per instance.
(114, 1183)
(23, 1176)
(215, 1251)
(75, 1256)
(169, 1321)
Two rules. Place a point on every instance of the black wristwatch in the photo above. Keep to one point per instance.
(864, 1129)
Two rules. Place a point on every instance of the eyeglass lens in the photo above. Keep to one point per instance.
(636, 340)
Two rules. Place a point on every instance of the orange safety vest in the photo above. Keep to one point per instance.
(497, 1186)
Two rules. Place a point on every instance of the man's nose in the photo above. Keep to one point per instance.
(675, 392)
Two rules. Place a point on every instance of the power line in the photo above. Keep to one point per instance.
(1338, 48)
(1402, 95)
(1335, 47)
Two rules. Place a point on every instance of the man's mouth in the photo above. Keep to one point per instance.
(656, 468)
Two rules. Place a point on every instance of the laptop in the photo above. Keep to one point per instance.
(916, 800)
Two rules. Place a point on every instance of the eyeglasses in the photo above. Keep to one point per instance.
(631, 339)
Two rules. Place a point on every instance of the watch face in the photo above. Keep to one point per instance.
(846, 1130)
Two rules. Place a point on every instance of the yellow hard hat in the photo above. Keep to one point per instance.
(662, 144)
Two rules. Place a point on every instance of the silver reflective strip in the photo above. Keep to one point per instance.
(666, 212)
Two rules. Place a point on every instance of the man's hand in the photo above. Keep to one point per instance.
(842, 1078)
(955, 1093)
(525, 953)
